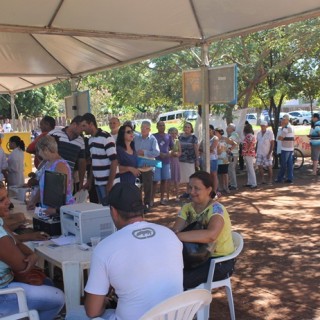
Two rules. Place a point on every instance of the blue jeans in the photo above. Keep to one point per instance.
(47, 300)
(101, 192)
(286, 165)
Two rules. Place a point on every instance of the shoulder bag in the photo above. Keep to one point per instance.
(195, 254)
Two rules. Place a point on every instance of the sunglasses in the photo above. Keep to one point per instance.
(129, 131)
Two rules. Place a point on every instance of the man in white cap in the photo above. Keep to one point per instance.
(287, 146)
(265, 145)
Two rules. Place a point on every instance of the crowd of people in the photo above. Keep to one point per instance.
(142, 263)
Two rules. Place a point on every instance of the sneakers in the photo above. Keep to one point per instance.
(253, 187)
(146, 208)
(233, 188)
(289, 181)
(163, 202)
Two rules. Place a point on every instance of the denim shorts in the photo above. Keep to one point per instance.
(163, 173)
(213, 165)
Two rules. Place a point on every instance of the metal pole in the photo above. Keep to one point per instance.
(205, 105)
(74, 96)
(13, 115)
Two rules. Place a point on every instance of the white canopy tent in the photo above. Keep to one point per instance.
(42, 42)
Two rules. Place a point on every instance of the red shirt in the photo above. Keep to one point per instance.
(249, 145)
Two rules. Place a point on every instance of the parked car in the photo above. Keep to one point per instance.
(293, 120)
(178, 114)
(252, 118)
(304, 117)
(267, 118)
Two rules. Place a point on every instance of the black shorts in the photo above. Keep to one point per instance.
(223, 168)
(193, 277)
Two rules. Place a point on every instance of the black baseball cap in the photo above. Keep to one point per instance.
(126, 197)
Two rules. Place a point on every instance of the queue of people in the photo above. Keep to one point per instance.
(130, 262)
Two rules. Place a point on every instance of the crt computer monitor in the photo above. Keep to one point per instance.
(55, 186)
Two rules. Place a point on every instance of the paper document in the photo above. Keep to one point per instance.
(64, 240)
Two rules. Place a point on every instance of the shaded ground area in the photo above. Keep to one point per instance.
(277, 274)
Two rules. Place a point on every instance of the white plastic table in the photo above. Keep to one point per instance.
(72, 261)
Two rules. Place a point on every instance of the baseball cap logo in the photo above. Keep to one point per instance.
(143, 233)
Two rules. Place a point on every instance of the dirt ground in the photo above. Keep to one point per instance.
(277, 274)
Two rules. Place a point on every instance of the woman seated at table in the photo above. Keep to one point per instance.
(47, 149)
(15, 257)
(127, 156)
(216, 224)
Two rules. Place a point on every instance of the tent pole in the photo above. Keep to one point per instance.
(74, 96)
(13, 115)
(205, 105)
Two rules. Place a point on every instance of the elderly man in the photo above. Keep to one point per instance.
(287, 146)
(147, 146)
(142, 262)
(264, 147)
(114, 125)
(234, 152)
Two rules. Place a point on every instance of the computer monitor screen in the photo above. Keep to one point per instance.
(55, 186)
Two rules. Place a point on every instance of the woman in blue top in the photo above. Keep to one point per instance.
(127, 156)
(47, 149)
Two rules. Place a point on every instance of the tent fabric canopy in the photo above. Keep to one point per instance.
(42, 42)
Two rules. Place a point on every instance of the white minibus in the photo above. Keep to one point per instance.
(178, 114)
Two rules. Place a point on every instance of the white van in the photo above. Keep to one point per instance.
(178, 114)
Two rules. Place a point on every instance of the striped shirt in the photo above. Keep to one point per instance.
(103, 151)
(69, 150)
(287, 144)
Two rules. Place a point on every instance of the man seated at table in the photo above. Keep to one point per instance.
(142, 262)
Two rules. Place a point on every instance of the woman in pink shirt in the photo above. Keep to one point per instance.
(249, 154)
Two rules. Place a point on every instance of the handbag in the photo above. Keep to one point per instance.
(195, 254)
(34, 276)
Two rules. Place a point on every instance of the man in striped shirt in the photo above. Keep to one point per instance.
(71, 146)
(104, 157)
(287, 146)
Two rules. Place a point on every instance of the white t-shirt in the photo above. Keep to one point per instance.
(16, 167)
(143, 263)
(214, 154)
(264, 142)
(7, 127)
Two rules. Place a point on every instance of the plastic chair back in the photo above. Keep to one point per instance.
(180, 307)
(209, 285)
(24, 312)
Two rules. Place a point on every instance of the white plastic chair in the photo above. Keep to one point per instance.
(180, 307)
(209, 285)
(24, 312)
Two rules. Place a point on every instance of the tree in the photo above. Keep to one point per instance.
(305, 80)
(265, 61)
